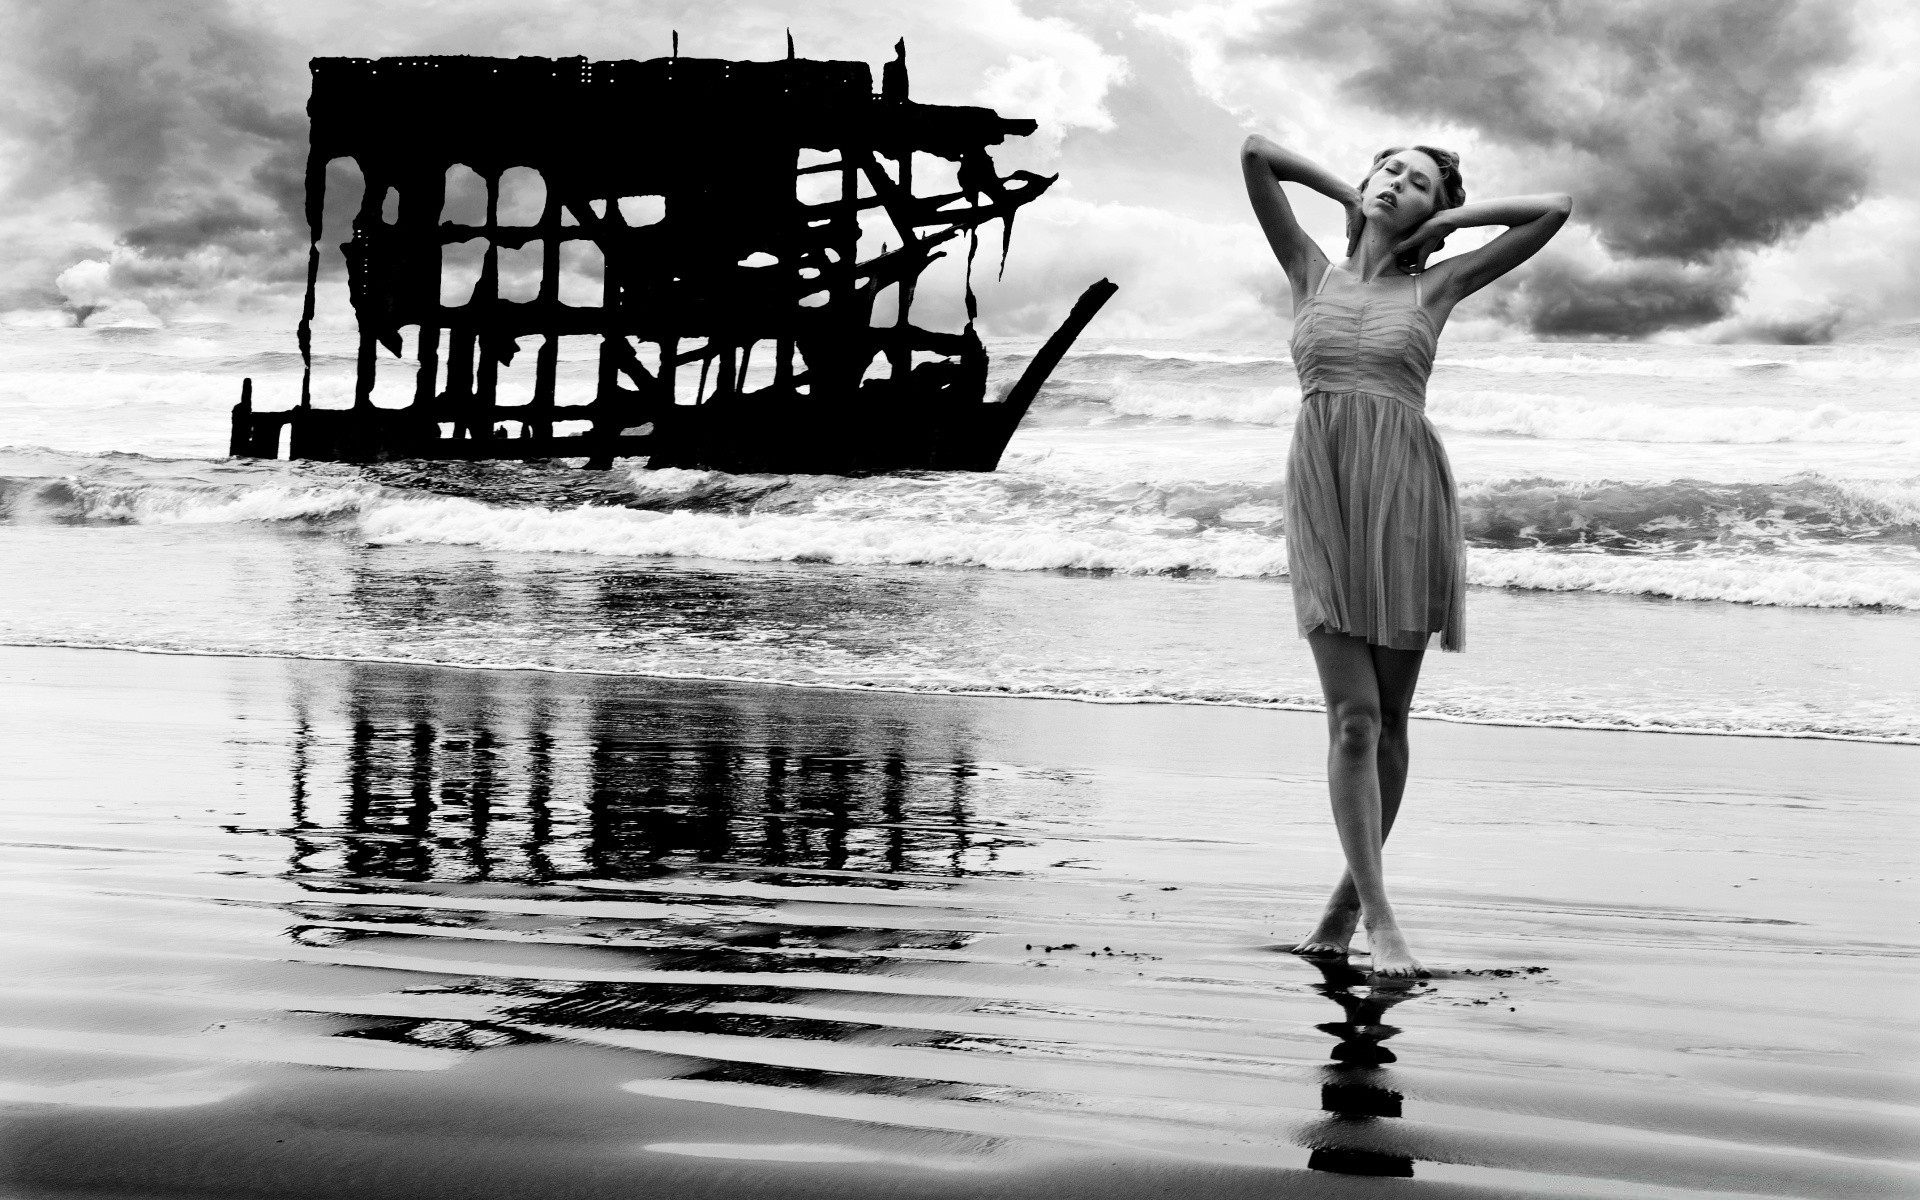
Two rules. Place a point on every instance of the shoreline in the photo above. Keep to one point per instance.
(292, 928)
(979, 694)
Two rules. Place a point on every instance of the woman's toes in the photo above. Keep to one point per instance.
(1319, 950)
(1405, 970)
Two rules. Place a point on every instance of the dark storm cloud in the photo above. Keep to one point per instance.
(219, 220)
(1677, 125)
(1812, 330)
(172, 118)
(1556, 297)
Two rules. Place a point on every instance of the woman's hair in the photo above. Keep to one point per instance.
(1450, 191)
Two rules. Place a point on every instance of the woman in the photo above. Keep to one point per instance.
(1373, 531)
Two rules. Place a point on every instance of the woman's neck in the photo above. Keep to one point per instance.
(1373, 257)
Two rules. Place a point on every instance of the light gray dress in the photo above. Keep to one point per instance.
(1374, 543)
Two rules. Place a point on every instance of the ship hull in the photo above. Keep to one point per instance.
(757, 434)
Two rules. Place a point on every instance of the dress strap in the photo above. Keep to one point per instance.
(1416, 288)
(1323, 278)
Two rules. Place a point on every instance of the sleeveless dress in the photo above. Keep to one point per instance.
(1374, 543)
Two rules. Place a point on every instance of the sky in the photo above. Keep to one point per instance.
(1742, 170)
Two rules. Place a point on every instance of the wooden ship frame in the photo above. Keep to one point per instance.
(737, 266)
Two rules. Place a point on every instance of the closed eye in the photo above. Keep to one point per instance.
(1417, 178)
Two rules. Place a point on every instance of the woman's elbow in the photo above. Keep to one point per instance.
(1560, 203)
(1254, 146)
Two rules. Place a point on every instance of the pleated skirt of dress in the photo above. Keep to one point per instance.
(1374, 543)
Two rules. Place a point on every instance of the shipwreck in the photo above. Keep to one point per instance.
(727, 202)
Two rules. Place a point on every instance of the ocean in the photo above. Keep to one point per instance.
(1697, 539)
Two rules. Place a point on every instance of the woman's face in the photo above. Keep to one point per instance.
(1402, 191)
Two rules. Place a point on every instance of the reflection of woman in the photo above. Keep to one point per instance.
(1353, 1090)
(1373, 532)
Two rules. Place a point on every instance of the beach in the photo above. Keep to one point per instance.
(582, 616)
(285, 927)
(419, 829)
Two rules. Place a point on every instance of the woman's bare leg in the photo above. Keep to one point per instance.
(1369, 690)
(1396, 674)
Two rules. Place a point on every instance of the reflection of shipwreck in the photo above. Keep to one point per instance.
(745, 251)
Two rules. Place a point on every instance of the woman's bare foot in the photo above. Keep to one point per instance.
(1313, 949)
(1392, 959)
(1332, 937)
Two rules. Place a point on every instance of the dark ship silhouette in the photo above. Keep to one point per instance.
(737, 265)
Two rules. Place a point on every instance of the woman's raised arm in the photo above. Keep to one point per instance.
(1531, 220)
(1267, 164)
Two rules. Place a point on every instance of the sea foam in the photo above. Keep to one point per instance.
(814, 537)
(1839, 582)
(1539, 415)
(1807, 541)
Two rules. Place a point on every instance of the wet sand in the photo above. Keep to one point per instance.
(313, 929)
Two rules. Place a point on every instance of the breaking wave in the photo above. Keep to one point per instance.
(1559, 418)
(1839, 581)
(1807, 541)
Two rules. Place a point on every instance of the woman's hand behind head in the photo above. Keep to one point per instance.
(1428, 237)
(1356, 222)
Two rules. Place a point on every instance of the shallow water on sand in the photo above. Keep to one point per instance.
(1572, 659)
(318, 929)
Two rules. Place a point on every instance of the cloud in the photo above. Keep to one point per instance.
(1059, 76)
(164, 123)
(1678, 124)
(1179, 276)
(1690, 133)
(85, 284)
(165, 139)
(1557, 295)
(93, 297)
(1786, 329)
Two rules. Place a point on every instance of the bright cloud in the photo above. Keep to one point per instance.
(151, 151)
(1055, 74)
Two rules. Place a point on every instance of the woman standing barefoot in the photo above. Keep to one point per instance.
(1373, 531)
